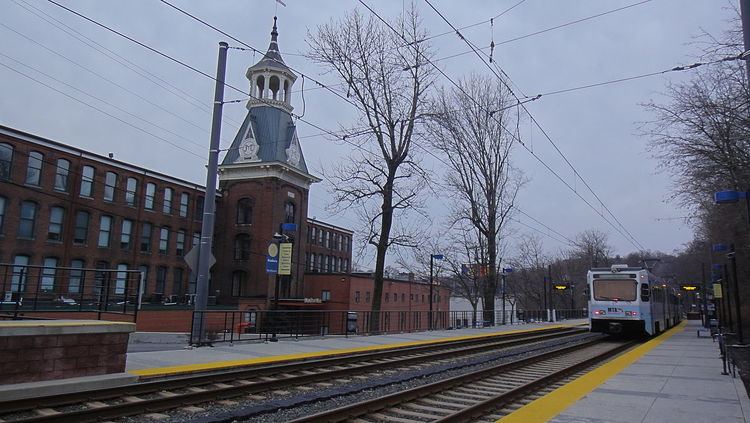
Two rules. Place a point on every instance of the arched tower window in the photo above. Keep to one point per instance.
(274, 85)
(287, 93)
(260, 83)
(245, 211)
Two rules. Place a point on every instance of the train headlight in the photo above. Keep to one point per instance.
(600, 312)
(631, 313)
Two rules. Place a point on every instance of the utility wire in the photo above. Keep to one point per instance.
(336, 93)
(428, 60)
(103, 112)
(627, 233)
(182, 63)
(155, 125)
(121, 60)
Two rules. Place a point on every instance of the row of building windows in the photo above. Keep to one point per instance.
(387, 297)
(170, 201)
(328, 239)
(76, 279)
(326, 264)
(27, 228)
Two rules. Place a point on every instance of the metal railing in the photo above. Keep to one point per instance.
(28, 288)
(260, 325)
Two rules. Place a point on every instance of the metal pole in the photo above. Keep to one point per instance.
(275, 312)
(207, 225)
(733, 259)
(549, 280)
(544, 291)
(727, 300)
(502, 275)
(429, 325)
(704, 295)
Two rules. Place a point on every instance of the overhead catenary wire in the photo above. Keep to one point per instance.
(503, 126)
(576, 174)
(192, 68)
(629, 236)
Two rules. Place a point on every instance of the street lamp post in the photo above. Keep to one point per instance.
(733, 260)
(278, 238)
(505, 271)
(433, 257)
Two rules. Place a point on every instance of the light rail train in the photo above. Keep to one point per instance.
(625, 299)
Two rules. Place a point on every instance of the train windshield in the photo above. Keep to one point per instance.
(615, 289)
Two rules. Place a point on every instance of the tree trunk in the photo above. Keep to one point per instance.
(382, 247)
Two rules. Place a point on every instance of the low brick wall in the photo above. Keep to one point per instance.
(46, 350)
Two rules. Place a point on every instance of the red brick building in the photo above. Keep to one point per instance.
(61, 206)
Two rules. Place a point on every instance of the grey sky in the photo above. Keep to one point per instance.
(596, 128)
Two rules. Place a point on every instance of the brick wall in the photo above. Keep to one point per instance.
(45, 357)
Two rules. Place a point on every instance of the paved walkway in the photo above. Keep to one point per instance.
(679, 381)
(149, 363)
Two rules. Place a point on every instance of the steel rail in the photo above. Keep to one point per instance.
(395, 399)
(209, 390)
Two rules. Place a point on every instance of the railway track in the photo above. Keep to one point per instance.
(189, 391)
(480, 396)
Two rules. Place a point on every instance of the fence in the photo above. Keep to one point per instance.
(28, 288)
(234, 325)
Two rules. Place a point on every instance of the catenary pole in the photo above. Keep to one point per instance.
(209, 205)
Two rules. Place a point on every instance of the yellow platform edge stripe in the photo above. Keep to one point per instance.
(547, 407)
(218, 365)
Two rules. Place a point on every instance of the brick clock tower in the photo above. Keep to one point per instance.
(264, 182)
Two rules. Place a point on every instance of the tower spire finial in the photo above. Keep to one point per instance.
(274, 32)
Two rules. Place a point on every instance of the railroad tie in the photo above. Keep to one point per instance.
(46, 412)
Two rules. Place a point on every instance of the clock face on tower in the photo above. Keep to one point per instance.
(248, 149)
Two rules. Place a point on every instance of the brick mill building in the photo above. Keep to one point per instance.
(61, 206)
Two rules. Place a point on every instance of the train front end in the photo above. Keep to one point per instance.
(616, 303)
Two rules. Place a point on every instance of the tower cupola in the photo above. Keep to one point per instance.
(271, 80)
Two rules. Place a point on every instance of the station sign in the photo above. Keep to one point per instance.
(717, 290)
(561, 287)
(285, 258)
(272, 258)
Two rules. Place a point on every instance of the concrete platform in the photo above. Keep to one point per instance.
(44, 388)
(223, 355)
(673, 378)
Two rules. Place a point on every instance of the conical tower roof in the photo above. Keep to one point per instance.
(272, 59)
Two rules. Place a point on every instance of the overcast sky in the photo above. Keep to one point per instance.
(595, 128)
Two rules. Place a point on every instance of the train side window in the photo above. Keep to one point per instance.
(645, 294)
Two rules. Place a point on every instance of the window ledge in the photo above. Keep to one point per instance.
(23, 238)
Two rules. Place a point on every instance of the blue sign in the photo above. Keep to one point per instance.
(717, 248)
(272, 258)
(288, 227)
(507, 270)
(724, 197)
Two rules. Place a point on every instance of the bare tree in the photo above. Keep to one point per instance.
(387, 80)
(529, 269)
(469, 125)
(592, 248)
